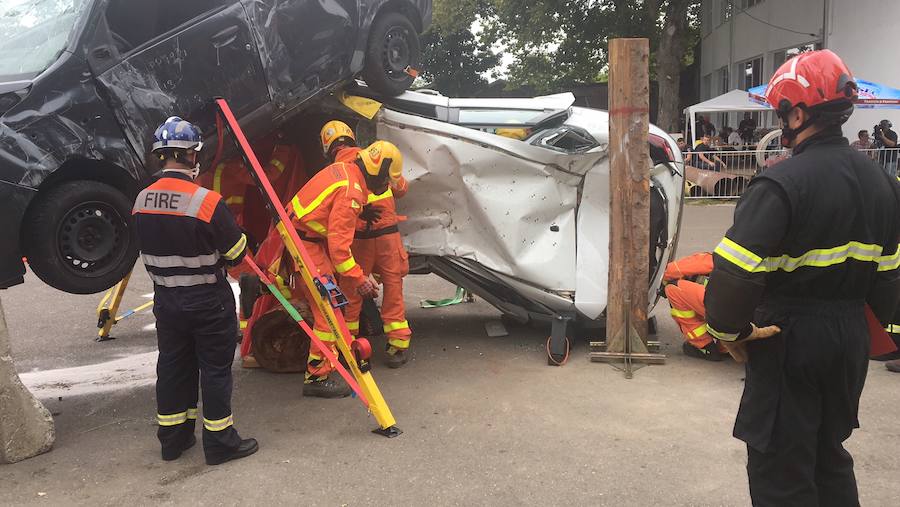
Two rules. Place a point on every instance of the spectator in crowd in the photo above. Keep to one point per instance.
(682, 146)
(746, 128)
(704, 127)
(862, 142)
(705, 158)
(886, 142)
(733, 138)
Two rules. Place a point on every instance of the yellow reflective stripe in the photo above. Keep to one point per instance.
(817, 258)
(698, 332)
(893, 328)
(889, 262)
(719, 335)
(243, 324)
(218, 424)
(379, 197)
(217, 178)
(683, 314)
(172, 419)
(353, 325)
(347, 265)
(393, 326)
(192, 413)
(301, 211)
(235, 199)
(278, 164)
(316, 226)
(238, 247)
(325, 336)
(399, 343)
(738, 255)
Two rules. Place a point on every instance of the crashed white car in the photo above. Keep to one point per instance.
(523, 223)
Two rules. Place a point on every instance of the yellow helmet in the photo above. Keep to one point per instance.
(512, 133)
(380, 157)
(333, 131)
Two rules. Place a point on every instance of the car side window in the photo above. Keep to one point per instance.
(134, 22)
(567, 139)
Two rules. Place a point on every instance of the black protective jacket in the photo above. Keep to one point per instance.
(822, 225)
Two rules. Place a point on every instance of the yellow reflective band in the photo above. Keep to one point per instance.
(893, 328)
(316, 226)
(235, 199)
(738, 255)
(889, 262)
(393, 326)
(172, 419)
(683, 314)
(698, 332)
(192, 413)
(380, 197)
(300, 211)
(347, 265)
(399, 343)
(218, 424)
(728, 337)
(325, 336)
(278, 164)
(217, 178)
(243, 324)
(238, 247)
(353, 325)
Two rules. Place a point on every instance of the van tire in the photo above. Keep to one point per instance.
(393, 45)
(78, 236)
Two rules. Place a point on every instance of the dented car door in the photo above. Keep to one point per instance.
(172, 57)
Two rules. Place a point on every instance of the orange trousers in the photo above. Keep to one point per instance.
(317, 366)
(385, 257)
(686, 300)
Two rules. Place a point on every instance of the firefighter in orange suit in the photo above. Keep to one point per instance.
(378, 247)
(324, 213)
(685, 285)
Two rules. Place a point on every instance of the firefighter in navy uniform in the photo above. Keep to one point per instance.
(187, 237)
(815, 239)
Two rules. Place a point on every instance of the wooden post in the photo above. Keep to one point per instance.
(629, 232)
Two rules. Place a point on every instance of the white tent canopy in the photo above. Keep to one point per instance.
(735, 100)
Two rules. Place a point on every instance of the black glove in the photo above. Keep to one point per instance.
(370, 214)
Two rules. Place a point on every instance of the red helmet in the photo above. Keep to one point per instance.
(817, 81)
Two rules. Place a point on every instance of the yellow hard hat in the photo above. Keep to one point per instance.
(334, 130)
(512, 133)
(382, 156)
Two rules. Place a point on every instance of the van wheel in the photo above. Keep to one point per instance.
(393, 49)
(78, 237)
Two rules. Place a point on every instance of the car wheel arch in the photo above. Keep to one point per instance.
(403, 7)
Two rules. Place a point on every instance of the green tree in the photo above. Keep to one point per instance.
(455, 63)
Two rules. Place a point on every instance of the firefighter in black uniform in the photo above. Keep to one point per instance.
(814, 240)
(187, 236)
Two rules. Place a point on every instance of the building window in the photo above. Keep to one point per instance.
(746, 4)
(780, 57)
(706, 86)
(706, 12)
(750, 73)
(723, 80)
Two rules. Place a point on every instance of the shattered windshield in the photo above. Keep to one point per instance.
(33, 33)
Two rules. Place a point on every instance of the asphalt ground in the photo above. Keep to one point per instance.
(485, 420)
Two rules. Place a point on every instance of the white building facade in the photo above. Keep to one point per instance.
(744, 41)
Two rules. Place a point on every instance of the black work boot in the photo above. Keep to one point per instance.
(709, 352)
(173, 454)
(396, 357)
(326, 388)
(247, 447)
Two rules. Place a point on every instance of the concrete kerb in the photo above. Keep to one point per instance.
(26, 426)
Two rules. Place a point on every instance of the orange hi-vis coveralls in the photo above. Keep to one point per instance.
(686, 297)
(379, 249)
(324, 212)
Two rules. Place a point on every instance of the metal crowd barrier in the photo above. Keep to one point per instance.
(732, 170)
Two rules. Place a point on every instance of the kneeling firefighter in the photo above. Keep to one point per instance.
(378, 246)
(325, 212)
(187, 236)
(685, 286)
